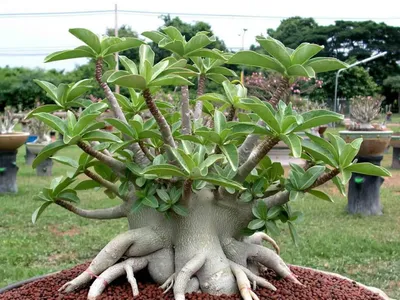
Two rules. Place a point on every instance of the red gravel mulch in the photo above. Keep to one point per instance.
(316, 286)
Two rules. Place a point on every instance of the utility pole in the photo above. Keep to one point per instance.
(116, 53)
(242, 72)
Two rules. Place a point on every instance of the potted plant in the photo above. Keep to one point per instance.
(41, 130)
(192, 189)
(395, 143)
(363, 196)
(10, 141)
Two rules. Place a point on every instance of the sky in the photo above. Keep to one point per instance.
(26, 40)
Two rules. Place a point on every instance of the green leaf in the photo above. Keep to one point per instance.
(231, 154)
(272, 228)
(88, 37)
(130, 81)
(264, 110)
(163, 195)
(155, 36)
(145, 54)
(274, 212)
(208, 53)
(197, 42)
(367, 169)
(126, 43)
(123, 127)
(246, 197)
(325, 64)
(44, 108)
(324, 144)
(256, 224)
(180, 210)
(349, 152)
(310, 176)
(299, 71)
(52, 121)
(173, 33)
(293, 233)
(150, 201)
(223, 71)
(221, 181)
(304, 52)
(321, 195)
(182, 162)
(47, 151)
(68, 54)
(66, 160)
(36, 214)
(123, 188)
(296, 195)
(317, 118)
(158, 69)
(101, 136)
(129, 65)
(83, 123)
(86, 185)
(69, 195)
(319, 153)
(49, 88)
(276, 49)
(209, 161)
(170, 79)
(293, 142)
(251, 58)
(219, 121)
(260, 210)
(173, 46)
(339, 185)
(164, 170)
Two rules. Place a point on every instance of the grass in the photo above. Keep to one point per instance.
(366, 249)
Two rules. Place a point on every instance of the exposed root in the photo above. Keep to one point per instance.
(112, 273)
(167, 285)
(254, 278)
(243, 283)
(184, 275)
(131, 279)
(258, 237)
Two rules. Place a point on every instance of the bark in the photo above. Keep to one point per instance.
(255, 157)
(231, 114)
(105, 183)
(115, 212)
(280, 92)
(162, 123)
(146, 151)
(185, 111)
(198, 109)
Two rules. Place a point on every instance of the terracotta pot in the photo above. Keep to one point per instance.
(395, 141)
(12, 141)
(374, 142)
(35, 148)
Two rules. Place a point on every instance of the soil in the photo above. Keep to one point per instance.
(316, 286)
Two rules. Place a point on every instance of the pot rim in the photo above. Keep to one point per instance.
(18, 133)
(359, 132)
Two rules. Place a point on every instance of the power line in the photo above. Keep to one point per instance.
(152, 13)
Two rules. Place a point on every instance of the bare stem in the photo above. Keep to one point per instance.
(231, 114)
(248, 145)
(139, 156)
(114, 164)
(323, 178)
(146, 151)
(255, 157)
(200, 91)
(105, 183)
(185, 111)
(187, 192)
(115, 212)
(280, 92)
(162, 123)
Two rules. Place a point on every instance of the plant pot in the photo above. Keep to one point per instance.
(35, 148)
(374, 142)
(29, 156)
(9, 143)
(45, 167)
(12, 141)
(395, 143)
(317, 285)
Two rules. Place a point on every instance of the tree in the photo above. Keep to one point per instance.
(189, 191)
(392, 84)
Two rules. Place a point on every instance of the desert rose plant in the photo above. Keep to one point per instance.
(196, 183)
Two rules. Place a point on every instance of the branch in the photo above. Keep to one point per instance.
(255, 157)
(248, 145)
(105, 183)
(185, 111)
(113, 163)
(146, 151)
(198, 109)
(323, 178)
(139, 156)
(115, 212)
(231, 114)
(162, 123)
(281, 90)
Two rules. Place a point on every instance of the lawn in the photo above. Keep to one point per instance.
(366, 249)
